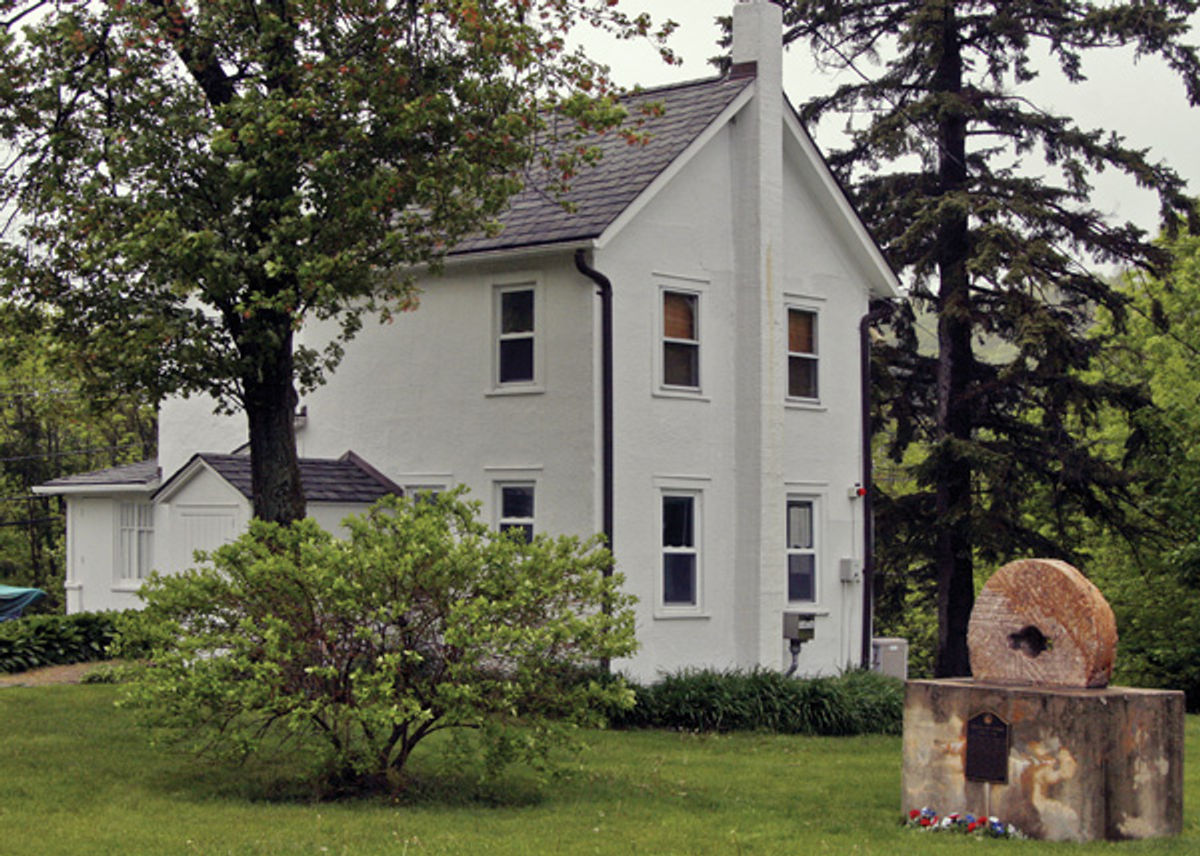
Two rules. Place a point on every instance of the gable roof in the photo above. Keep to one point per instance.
(141, 476)
(600, 193)
(347, 479)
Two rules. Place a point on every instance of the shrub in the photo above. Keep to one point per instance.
(52, 640)
(857, 702)
(424, 619)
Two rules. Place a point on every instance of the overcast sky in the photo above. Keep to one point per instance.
(1141, 101)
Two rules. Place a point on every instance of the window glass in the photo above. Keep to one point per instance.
(679, 315)
(678, 526)
(516, 360)
(802, 353)
(516, 311)
(679, 579)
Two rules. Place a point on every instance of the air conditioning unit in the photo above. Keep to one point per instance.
(889, 656)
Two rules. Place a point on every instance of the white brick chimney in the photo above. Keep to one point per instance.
(761, 351)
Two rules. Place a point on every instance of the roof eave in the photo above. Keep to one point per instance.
(97, 489)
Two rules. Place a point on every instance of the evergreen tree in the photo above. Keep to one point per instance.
(982, 199)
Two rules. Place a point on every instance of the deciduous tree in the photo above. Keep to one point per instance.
(423, 619)
(196, 180)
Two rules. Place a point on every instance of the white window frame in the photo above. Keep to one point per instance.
(535, 384)
(814, 356)
(814, 551)
(695, 549)
(129, 553)
(501, 519)
(693, 288)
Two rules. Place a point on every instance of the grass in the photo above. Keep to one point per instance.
(77, 778)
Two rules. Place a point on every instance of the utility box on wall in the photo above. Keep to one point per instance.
(889, 656)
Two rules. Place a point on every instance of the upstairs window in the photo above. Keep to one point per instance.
(802, 353)
(516, 509)
(681, 340)
(135, 540)
(801, 551)
(515, 340)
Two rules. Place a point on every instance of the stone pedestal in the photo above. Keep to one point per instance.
(1082, 764)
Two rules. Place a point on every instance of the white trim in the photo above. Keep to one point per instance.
(529, 470)
(674, 167)
(97, 489)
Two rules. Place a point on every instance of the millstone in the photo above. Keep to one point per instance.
(1041, 622)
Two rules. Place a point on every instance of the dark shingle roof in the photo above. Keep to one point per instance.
(346, 479)
(141, 473)
(601, 192)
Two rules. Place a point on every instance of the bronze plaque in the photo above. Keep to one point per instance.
(987, 749)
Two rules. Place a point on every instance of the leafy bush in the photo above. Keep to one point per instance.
(53, 640)
(424, 619)
(856, 702)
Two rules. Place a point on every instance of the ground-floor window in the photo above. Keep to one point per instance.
(680, 549)
(135, 540)
(516, 508)
(801, 550)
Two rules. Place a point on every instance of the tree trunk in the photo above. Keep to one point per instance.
(952, 556)
(270, 403)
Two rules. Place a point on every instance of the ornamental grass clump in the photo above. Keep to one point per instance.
(354, 651)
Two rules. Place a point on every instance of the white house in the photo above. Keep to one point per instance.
(677, 363)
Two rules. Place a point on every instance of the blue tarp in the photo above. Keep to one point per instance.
(13, 600)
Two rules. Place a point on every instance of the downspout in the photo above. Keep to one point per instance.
(864, 343)
(604, 290)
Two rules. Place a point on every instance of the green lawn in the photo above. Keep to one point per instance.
(77, 778)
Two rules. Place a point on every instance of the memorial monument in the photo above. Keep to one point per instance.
(1037, 737)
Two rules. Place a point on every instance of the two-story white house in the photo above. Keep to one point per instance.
(676, 363)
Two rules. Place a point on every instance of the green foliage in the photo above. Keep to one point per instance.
(857, 702)
(196, 181)
(34, 641)
(423, 619)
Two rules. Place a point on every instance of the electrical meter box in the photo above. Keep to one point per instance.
(850, 570)
(799, 626)
(889, 656)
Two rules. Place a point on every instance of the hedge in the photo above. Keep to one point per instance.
(54, 640)
(856, 702)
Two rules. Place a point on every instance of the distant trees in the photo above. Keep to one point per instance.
(982, 200)
(50, 427)
(195, 181)
(1154, 582)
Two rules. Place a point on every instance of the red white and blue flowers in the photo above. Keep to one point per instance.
(989, 827)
